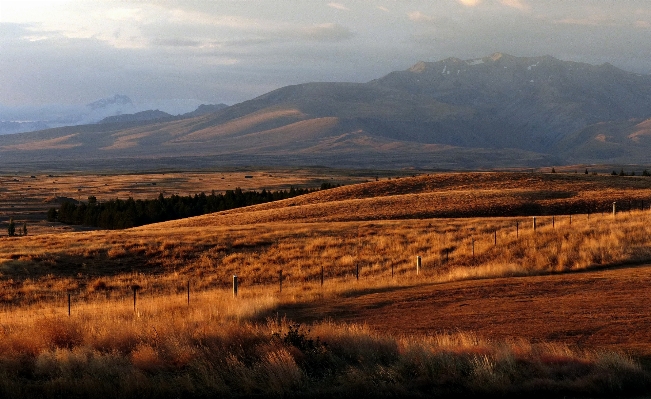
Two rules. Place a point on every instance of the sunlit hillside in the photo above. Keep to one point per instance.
(331, 296)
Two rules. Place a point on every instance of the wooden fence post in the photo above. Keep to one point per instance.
(418, 264)
(135, 287)
(517, 229)
(357, 273)
(614, 208)
(495, 236)
(68, 304)
(534, 223)
(234, 285)
(553, 222)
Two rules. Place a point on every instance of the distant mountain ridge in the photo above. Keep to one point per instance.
(495, 111)
(137, 117)
(29, 119)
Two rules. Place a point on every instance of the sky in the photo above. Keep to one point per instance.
(228, 51)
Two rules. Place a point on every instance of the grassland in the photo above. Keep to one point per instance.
(393, 331)
(27, 197)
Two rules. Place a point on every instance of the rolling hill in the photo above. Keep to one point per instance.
(497, 111)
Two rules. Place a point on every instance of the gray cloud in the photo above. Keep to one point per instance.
(230, 51)
(327, 32)
(176, 42)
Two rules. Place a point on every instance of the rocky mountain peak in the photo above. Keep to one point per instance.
(118, 99)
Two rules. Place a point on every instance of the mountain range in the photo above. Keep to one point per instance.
(117, 108)
(495, 111)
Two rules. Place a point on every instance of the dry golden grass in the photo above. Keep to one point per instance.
(169, 349)
(27, 199)
(161, 259)
(208, 250)
(217, 345)
(448, 195)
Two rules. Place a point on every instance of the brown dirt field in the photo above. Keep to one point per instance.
(606, 309)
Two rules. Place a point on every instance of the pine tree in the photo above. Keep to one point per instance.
(12, 228)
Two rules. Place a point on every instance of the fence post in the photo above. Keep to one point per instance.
(357, 273)
(418, 264)
(391, 269)
(68, 304)
(495, 236)
(234, 285)
(553, 224)
(534, 223)
(614, 208)
(135, 290)
(517, 229)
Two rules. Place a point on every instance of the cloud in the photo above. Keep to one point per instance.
(592, 20)
(519, 4)
(469, 3)
(176, 42)
(338, 6)
(418, 16)
(642, 24)
(231, 50)
(327, 32)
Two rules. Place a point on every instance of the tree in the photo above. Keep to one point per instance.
(52, 215)
(24, 228)
(553, 170)
(586, 171)
(12, 228)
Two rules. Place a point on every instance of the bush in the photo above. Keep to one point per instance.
(52, 215)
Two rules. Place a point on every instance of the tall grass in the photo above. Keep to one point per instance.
(105, 264)
(212, 348)
(217, 346)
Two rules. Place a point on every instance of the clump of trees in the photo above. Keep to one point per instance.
(121, 214)
(11, 228)
(622, 173)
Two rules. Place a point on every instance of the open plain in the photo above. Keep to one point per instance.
(497, 307)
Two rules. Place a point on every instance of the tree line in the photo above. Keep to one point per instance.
(122, 214)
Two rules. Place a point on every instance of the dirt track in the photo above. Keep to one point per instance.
(599, 309)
